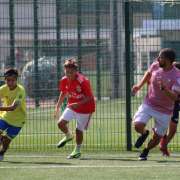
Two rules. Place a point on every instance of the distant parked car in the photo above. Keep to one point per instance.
(47, 78)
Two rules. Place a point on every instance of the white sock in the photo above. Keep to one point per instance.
(78, 147)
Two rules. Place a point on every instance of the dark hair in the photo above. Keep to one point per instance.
(11, 72)
(71, 63)
(177, 64)
(169, 54)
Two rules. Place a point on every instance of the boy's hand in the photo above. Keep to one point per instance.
(73, 105)
(135, 89)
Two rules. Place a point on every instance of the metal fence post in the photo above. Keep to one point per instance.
(79, 32)
(36, 54)
(128, 74)
(98, 70)
(58, 36)
(12, 34)
(115, 58)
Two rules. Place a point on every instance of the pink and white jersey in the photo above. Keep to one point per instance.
(155, 97)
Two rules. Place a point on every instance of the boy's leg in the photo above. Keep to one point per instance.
(68, 136)
(5, 144)
(140, 128)
(11, 132)
(67, 116)
(3, 126)
(79, 137)
(171, 132)
(82, 124)
(77, 150)
(1, 144)
(1, 136)
(140, 120)
(151, 144)
(167, 138)
(160, 128)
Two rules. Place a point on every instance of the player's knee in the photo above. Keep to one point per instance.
(62, 123)
(156, 138)
(6, 141)
(139, 127)
(173, 127)
(78, 131)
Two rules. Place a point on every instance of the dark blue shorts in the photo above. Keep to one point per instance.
(175, 116)
(11, 131)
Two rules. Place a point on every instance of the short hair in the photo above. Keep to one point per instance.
(71, 63)
(11, 72)
(177, 64)
(169, 54)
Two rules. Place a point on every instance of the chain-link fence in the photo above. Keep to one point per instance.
(114, 42)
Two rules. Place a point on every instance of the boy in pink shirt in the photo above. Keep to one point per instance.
(163, 80)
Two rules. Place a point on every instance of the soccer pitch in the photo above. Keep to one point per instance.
(33, 154)
(100, 166)
(107, 130)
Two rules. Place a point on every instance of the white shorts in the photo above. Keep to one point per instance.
(82, 120)
(146, 112)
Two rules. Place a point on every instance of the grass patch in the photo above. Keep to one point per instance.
(101, 166)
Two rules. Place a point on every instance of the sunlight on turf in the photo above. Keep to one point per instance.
(99, 166)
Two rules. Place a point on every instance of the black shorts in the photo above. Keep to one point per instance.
(175, 116)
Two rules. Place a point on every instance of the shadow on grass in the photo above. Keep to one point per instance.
(36, 163)
(168, 161)
(110, 159)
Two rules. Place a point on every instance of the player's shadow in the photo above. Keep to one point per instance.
(38, 163)
(110, 158)
(168, 161)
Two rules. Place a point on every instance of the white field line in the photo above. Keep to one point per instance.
(99, 156)
(87, 166)
(58, 156)
(45, 145)
(141, 165)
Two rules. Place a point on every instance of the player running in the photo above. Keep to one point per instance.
(81, 104)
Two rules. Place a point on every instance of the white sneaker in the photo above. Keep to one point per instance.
(1, 157)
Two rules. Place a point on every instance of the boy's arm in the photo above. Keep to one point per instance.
(17, 102)
(11, 107)
(59, 103)
(144, 80)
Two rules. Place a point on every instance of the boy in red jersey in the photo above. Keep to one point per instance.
(81, 104)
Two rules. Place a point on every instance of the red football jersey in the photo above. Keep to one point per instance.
(76, 90)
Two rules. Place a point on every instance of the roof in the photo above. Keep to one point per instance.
(162, 24)
(151, 27)
(66, 34)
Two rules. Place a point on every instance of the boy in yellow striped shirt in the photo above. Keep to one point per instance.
(12, 111)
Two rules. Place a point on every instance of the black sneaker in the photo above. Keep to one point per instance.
(141, 139)
(143, 155)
